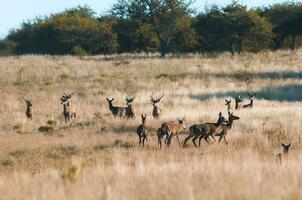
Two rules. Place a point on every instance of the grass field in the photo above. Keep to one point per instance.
(98, 157)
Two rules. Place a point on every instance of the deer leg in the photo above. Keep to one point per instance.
(220, 138)
(144, 137)
(178, 140)
(200, 138)
(140, 140)
(169, 139)
(194, 139)
(213, 137)
(225, 140)
(187, 138)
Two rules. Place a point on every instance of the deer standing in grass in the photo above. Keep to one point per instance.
(129, 109)
(251, 97)
(29, 108)
(204, 131)
(156, 110)
(284, 154)
(224, 129)
(169, 130)
(69, 108)
(142, 131)
(238, 102)
(117, 111)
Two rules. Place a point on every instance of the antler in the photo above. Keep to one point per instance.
(130, 99)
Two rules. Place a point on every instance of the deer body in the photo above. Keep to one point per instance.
(203, 131)
(115, 110)
(170, 129)
(142, 131)
(69, 108)
(284, 154)
(156, 110)
(223, 130)
(129, 109)
(29, 108)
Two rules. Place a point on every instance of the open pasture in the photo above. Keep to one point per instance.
(97, 156)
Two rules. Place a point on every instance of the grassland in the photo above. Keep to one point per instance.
(97, 156)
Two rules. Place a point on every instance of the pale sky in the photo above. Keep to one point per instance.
(14, 12)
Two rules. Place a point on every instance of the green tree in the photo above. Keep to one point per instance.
(162, 15)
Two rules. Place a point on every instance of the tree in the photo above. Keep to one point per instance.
(285, 20)
(162, 15)
(64, 32)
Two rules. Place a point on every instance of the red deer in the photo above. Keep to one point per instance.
(204, 131)
(29, 110)
(170, 129)
(142, 131)
(223, 130)
(251, 97)
(156, 110)
(69, 108)
(129, 109)
(284, 154)
(115, 110)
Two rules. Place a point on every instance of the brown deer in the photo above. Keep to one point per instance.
(115, 110)
(142, 131)
(204, 131)
(284, 154)
(228, 104)
(238, 102)
(170, 129)
(251, 97)
(223, 130)
(69, 108)
(156, 110)
(129, 109)
(29, 109)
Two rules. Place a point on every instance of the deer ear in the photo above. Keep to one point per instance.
(290, 144)
(283, 145)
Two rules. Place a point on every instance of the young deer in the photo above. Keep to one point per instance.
(228, 104)
(29, 110)
(156, 110)
(115, 110)
(284, 154)
(129, 109)
(170, 129)
(204, 131)
(238, 101)
(69, 108)
(251, 97)
(142, 131)
(223, 130)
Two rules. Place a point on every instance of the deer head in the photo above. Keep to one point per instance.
(232, 117)
(237, 99)
(286, 147)
(129, 100)
(228, 102)
(144, 117)
(182, 121)
(66, 97)
(251, 96)
(28, 102)
(156, 100)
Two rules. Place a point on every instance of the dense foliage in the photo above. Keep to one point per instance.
(159, 25)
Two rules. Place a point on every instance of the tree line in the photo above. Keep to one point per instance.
(165, 26)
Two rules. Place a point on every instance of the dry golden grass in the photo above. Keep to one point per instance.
(97, 156)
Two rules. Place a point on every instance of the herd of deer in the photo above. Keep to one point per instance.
(167, 130)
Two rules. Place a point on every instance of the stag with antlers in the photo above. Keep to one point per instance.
(117, 111)
(129, 109)
(156, 110)
(29, 110)
(69, 108)
(251, 97)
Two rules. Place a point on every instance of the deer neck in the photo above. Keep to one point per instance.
(236, 104)
(252, 102)
(111, 107)
(230, 123)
